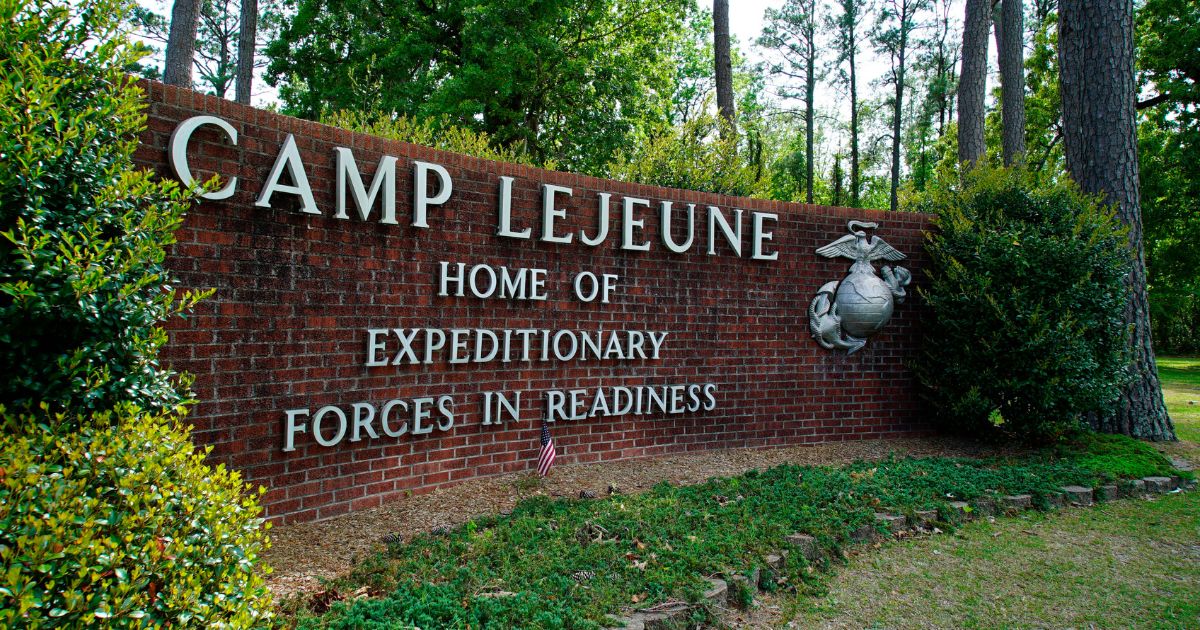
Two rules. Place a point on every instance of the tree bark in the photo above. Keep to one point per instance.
(181, 43)
(1012, 79)
(850, 17)
(905, 15)
(724, 63)
(247, 42)
(1100, 139)
(972, 82)
(810, 95)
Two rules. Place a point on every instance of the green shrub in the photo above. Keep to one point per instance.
(691, 156)
(439, 133)
(82, 236)
(1026, 297)
(121, 524)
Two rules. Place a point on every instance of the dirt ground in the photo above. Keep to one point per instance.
(301, 555)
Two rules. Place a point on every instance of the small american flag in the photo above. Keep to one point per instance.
(546, 458)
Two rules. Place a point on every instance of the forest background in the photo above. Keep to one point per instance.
(837, 102)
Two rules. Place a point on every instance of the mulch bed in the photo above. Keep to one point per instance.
(304, 554)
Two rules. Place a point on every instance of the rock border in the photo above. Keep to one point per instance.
(674, 614)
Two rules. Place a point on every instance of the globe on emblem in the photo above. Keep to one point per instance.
(844, 314)
(864, 304)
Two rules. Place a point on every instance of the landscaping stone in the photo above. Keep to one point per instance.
(776, 560)
(628, 622)
(1134, 488)
(1056, 500)
(1157, 485)
(659, 620)
(958, 509)
(925, 518)
(895, 523)
(984, 506)
(865, 534)
(806, 545)
(1078, 495)
(1107, 492)
(1189, 484)
(1016, 502)
(718, 595)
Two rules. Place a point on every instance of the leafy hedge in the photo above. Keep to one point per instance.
(1026, 297)
(122, 524)
(82, 235)
(108, 516)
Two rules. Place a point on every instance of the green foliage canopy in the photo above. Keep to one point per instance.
(1168, 35)
(563, 81)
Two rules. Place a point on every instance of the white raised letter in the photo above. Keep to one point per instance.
(628, 224)
(292, 428)
(665, 229)
(550, 213)
(179, 161)
(758, 235)
(289, 158)
(504, 227)
(385, 178)
(421, 198)
(732, 234)
(601, 224)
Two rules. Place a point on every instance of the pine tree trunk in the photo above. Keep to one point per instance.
(810, 93)
(181, 43)
(1012, 79)
(1100, 138)
(247, 41)
(855, 177)
(898, 112)
(972, 83)
(724, 63)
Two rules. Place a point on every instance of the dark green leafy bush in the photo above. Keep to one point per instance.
(1026, 296)
(121, 524)
(82, 236)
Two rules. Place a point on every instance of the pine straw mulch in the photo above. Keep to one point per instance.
(303, 554)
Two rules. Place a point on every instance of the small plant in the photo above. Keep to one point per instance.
(1026, 296)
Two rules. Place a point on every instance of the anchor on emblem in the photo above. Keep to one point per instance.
(843, 314)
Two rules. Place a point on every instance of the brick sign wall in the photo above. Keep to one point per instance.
(338, 365)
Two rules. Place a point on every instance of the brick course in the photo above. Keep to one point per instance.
(295, 293)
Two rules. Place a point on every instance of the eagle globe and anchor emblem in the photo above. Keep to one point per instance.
(843, 314)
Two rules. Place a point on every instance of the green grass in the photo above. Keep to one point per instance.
(526, 569)
(1181, 383)
(1129, 564)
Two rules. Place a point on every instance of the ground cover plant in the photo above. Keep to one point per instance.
(568, 563)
